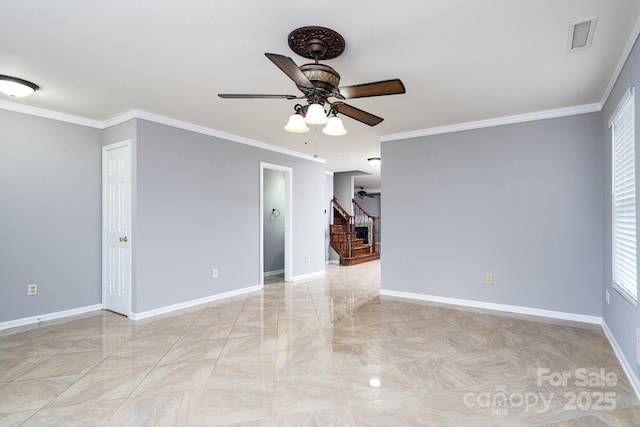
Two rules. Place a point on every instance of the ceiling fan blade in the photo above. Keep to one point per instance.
(386, 87)
(357, 114)
(290, 68)
(254, 96)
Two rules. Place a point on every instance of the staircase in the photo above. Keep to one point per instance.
(352, 248)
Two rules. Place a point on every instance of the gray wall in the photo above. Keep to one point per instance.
(523, 202)
(343, 189)
(195, 207)
(621, 317)
(273, 198)
(50, 209)
(198, 208)
(370, 204)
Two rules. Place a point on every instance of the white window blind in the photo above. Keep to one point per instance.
(624, 197)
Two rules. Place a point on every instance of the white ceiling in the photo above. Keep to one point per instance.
(460, 60)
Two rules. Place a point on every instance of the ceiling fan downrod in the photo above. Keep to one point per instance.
(317, 49)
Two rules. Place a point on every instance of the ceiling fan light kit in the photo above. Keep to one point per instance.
(296, 124)
(319, 83)
(316, 115)
(334, 127)
(16, 87)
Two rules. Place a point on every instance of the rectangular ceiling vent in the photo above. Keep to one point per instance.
(581, 34)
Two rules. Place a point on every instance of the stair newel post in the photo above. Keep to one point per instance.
(331, 208)
(373, 236)
(350, 230)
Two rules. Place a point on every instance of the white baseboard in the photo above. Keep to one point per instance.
(309, 276)
(132, 316)
(273, 273)
(633, 377)
(193, 303)
(333, 261)
(49, 316)
(493, 306)
(631, 374)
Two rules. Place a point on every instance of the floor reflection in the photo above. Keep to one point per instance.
(327, 351)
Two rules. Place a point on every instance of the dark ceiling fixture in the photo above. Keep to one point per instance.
(362, 194)
(319, 83)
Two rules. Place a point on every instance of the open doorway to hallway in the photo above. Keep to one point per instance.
(275, 222)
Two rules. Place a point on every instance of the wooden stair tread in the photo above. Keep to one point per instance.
(359, 259)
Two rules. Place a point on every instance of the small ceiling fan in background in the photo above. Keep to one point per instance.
(319, 82)
(362, 194)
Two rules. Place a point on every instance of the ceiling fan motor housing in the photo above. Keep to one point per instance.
(322, 76)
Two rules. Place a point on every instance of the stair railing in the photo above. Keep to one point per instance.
(363, 219)
(337, 208)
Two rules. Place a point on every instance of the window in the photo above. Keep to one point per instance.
(624, 197)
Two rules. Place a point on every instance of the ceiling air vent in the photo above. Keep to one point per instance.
(581, 34)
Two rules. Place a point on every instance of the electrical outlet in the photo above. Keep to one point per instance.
(32, 289)
(488, 279)
(606, 295)
(306, 259)
(214, 273)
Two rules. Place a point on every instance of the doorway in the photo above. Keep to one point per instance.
(276, 235)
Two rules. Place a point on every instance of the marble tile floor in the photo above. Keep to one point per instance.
(321, 352)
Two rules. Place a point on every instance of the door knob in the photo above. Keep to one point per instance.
(124, 239)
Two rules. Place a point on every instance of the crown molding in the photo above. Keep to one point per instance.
(48, 114)
(623, 59)
(156, 118)
(500, 121)
(130, 115)
(521, 118)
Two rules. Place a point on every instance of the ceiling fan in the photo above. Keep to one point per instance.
(319, 82)
(362, 194)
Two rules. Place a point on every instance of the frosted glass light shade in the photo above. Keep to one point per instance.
(334, 127)
(296, 124)
(316, 115)
(16, 87)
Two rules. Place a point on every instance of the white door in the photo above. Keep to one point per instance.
(116, 227)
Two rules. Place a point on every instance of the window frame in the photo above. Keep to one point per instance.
(627, 102)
